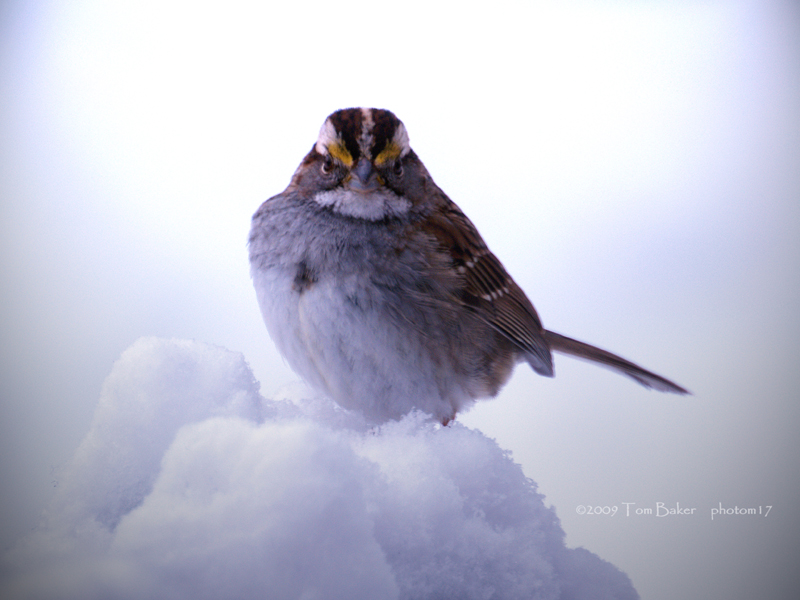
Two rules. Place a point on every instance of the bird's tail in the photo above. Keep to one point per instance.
(565, 345)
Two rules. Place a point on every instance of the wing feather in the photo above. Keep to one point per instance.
(487, 288)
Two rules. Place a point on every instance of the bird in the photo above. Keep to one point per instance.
(380, 292)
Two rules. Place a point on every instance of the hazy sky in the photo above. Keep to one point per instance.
(636, 166)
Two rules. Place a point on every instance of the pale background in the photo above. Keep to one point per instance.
(635, 165)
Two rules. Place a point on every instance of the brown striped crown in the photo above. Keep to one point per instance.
(373, 133)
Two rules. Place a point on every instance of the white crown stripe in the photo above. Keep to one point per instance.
(365, 139)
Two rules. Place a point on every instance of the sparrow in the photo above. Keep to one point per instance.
(381, 293)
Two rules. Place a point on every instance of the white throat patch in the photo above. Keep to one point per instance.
(374, 206)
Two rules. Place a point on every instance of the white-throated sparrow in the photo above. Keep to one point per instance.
(381, 293)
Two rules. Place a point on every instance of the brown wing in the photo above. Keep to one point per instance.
(488, 289)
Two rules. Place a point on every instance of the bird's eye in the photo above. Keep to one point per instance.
(327, 165)
(398, 169)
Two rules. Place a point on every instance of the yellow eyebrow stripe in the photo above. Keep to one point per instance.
(338, 151)
(389, 153)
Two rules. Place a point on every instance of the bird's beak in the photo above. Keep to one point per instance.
(364, 178)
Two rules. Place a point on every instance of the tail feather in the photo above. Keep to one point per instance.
(565, 345)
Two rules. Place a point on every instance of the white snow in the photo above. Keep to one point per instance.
(189, 484)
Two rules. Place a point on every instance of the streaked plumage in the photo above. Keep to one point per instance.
(381, 293)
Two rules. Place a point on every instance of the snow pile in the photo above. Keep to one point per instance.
(191, 485)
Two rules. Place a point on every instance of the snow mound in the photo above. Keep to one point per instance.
(189, 484)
